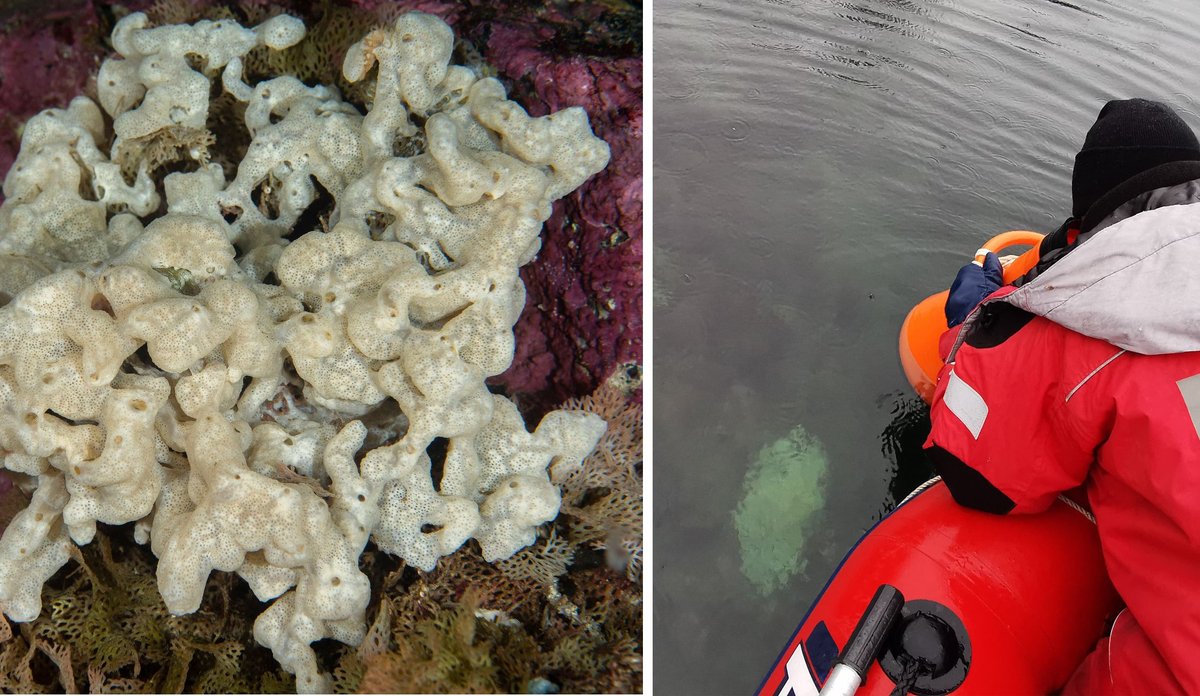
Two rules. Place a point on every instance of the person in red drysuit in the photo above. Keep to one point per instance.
(1087, 373)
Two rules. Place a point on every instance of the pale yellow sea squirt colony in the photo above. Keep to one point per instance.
(418, 310)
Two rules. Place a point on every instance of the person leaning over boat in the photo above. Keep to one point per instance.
(1087, 373)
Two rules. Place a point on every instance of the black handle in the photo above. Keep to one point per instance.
(872, 629)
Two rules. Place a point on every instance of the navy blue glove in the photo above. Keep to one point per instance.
(971, 286)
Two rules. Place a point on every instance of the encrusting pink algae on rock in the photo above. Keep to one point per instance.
(48, 51)
(587, 281)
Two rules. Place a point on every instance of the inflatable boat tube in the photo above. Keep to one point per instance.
(992, 604)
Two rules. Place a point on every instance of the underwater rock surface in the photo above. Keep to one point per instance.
(587, 282)
(48, 52)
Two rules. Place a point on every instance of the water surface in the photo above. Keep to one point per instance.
(819, 168)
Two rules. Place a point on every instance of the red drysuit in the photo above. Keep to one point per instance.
(1090, 375)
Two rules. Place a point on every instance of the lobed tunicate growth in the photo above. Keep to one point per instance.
(194, 353)
(783, 492)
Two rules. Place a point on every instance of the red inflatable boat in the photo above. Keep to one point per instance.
(991, 604)
(941, 599)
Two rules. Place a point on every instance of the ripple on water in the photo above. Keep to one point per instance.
(680, 85)
(736, 130)
(874, 19)
(679, 152)
(762, 247)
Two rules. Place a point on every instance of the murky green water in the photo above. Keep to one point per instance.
(819, 168)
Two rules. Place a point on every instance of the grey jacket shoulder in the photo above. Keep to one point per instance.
(1134, 281)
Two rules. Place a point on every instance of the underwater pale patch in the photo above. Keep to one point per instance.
(782, 491)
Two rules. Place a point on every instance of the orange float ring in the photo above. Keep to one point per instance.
(925, 324)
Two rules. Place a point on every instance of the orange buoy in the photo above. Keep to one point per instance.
(925, 324)
(1012, 603)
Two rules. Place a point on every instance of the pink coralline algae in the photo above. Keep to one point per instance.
(583, 315)
(48, 51)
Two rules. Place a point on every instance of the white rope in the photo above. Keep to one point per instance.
(1078, 508)
(1070, 503)
(921, 488)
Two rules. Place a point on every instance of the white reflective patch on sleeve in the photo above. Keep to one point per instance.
(965, 403)
(1190, 389)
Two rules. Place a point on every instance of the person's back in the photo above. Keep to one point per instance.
(1144, 491)
(1089, 374)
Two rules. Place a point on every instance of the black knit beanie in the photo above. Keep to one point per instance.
(1129, 137)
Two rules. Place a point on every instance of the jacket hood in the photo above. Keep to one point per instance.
(1134, 281)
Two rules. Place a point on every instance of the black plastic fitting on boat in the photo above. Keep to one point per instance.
(929, 652)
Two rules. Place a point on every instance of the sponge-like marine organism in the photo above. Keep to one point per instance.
(783, 491)
(206, 356)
